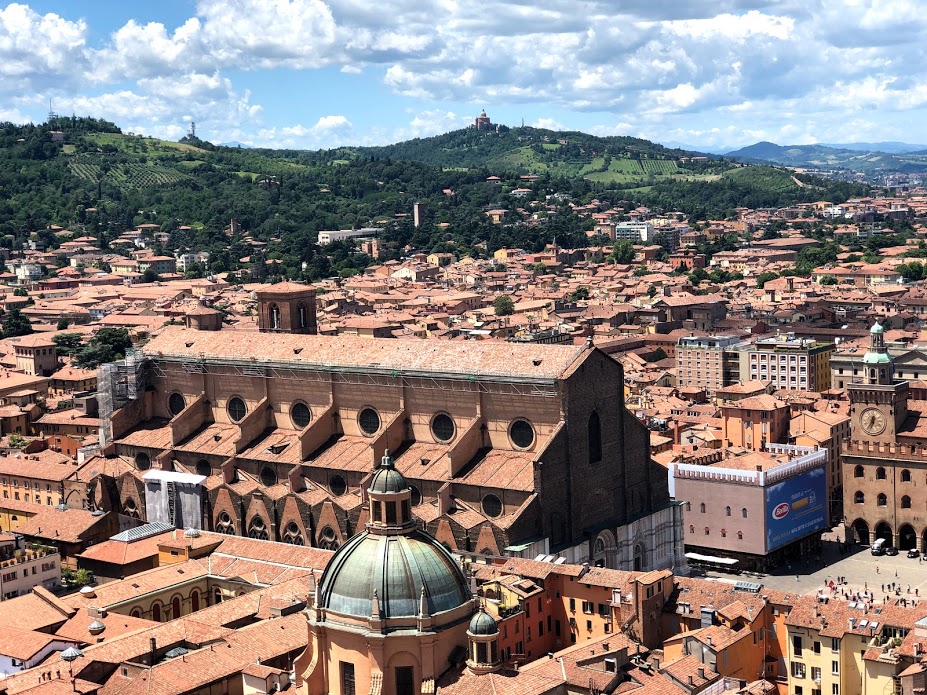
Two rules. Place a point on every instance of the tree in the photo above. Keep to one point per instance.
(622, 252)
(15, 323)
(20, 292)
(62, 325)
(652, 291)
(150, 276)
(504, 306)
(828, 280)
(67, 343)
(765, 277)
(580, 294)
(108, 345)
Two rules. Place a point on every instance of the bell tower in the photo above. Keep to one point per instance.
(286, 307)
(879, 405)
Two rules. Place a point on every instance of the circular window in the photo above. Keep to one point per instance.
(337, 485)
(522, 434)
(225, 518)
(416, 496)
(300, 415)
(142, 461)
(236, 408)
(268, 476)
(442, 427)
(328, 533)
(492, 506)
(203, 467)
(130, 504)
(369, 421)
(176, 402)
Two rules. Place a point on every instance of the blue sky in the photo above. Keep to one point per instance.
(322, 73)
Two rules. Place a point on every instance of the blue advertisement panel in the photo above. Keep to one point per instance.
(795, 508)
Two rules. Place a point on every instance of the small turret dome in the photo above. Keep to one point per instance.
(96, 627)
(387, 479)
(483, 624)
(876, 328)
(191, 533)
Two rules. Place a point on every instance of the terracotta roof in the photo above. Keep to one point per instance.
(475, 358)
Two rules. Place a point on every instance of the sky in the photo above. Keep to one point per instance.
(713, 75)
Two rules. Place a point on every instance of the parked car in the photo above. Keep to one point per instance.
(878, 547)
(891, 550)
(914, 552)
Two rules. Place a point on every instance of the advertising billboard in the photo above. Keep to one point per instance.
(795, 508)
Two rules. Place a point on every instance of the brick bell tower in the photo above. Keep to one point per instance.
(286, 307)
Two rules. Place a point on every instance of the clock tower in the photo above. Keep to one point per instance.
(879, 405)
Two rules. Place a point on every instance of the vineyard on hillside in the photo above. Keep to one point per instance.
(125, 175)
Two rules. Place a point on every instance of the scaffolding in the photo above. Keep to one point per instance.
(120, 383)
(369, 376)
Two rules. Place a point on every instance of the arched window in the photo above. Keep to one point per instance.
(156, 612)
(702, 507)
(727, 511)
(136, 613)
(217, 595)
(905, 475)
(175, 608)
(203, 468)
(224, 524)
(707, 530)
(723, 533)
(258, 529)
(743, 512)
(858, 472)
(691, 528)
(302, 315)
(881, 500)
(292, 534)
(740, 535)
(274, 316)
(859, 497)
(905, 502)
(194, 600)
(327, 539)
(688, 506)
(595, 438)
(880, 473)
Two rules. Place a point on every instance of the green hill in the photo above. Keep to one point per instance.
(825, 157)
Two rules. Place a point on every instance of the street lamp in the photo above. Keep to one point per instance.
(70, 655)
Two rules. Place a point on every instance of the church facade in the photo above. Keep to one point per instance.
(509, 449)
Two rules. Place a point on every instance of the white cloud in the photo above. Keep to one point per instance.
(329, 123)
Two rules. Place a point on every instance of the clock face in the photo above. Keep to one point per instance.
(872, 421)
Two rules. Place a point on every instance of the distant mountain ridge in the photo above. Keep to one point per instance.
(833, 157)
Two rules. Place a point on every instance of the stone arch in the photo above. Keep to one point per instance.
(639, 561)
(884, 530)
(861, 530)
(604, 549)
(907, 537)
(259, 528)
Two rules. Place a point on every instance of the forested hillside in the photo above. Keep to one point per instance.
(84, 174)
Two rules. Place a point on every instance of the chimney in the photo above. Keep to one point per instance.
(691, 680)
(153, 647)
(701, 672)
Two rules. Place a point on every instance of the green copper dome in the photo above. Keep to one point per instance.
(397, 568)
(483, 624)
(877, 328)
(876, 358)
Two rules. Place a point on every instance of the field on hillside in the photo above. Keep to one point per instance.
(124, 175)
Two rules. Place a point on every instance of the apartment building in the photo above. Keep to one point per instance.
(24, 566)
(706, 362)
(788, 362)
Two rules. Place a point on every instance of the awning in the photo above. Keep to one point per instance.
(711, 558)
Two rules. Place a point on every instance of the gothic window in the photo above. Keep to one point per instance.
(292, 534)
(881, 500)
(727, 511)
(327, 539)
(274, 316)
(224, 524)
(905, 502)
(880, 473)
(858, 472)
(302, 315)
(905, 476)
(743, 512)
(859, 498)
(258, 529)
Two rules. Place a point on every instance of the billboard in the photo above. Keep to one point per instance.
(795, 508)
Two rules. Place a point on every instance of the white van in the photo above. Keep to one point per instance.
(878, 547)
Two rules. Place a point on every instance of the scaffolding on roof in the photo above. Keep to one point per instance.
(120, 383)
(370, 376)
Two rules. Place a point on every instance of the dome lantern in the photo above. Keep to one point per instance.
(390, 500)
(483, 651)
